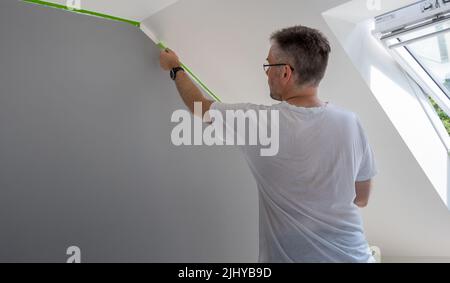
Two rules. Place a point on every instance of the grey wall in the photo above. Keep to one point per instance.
(86, 157)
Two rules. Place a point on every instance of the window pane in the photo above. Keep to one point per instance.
(433, 54)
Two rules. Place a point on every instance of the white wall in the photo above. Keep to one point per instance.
(226, 42)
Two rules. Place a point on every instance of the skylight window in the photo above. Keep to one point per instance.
(418, 37)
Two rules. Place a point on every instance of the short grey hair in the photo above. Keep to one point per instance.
(307, 50)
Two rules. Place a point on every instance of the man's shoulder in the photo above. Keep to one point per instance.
(341, 112)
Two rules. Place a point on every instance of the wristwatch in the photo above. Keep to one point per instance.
(174, 71)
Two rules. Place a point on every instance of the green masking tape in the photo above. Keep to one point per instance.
(161, 45)
(201, 83)
(81, 11)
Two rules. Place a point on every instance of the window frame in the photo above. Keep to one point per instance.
(422, 82)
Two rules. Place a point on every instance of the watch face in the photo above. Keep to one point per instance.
(173, 72)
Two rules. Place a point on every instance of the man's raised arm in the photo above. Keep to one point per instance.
(189, 92)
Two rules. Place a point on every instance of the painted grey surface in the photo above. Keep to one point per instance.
(86, 157)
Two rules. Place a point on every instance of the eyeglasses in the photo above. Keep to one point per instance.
(266, 67)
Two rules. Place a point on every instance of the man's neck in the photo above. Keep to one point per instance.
(307, 98)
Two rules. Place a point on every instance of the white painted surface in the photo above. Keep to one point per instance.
(149, 33)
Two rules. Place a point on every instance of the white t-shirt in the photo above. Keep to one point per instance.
(307, 191)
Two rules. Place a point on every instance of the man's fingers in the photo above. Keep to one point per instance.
(168, 58)
(171, 52)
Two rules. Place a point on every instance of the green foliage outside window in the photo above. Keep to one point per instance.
(442, 115)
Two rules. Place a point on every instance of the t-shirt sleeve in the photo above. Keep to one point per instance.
(368, 168)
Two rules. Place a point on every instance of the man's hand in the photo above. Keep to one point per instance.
(189, 92)
(169, 60)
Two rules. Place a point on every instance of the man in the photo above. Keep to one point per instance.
(309, 193)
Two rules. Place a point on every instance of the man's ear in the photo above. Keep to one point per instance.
(287, 72)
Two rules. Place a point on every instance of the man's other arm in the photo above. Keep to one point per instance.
(363, 193)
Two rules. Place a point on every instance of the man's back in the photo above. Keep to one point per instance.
(307, 190)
